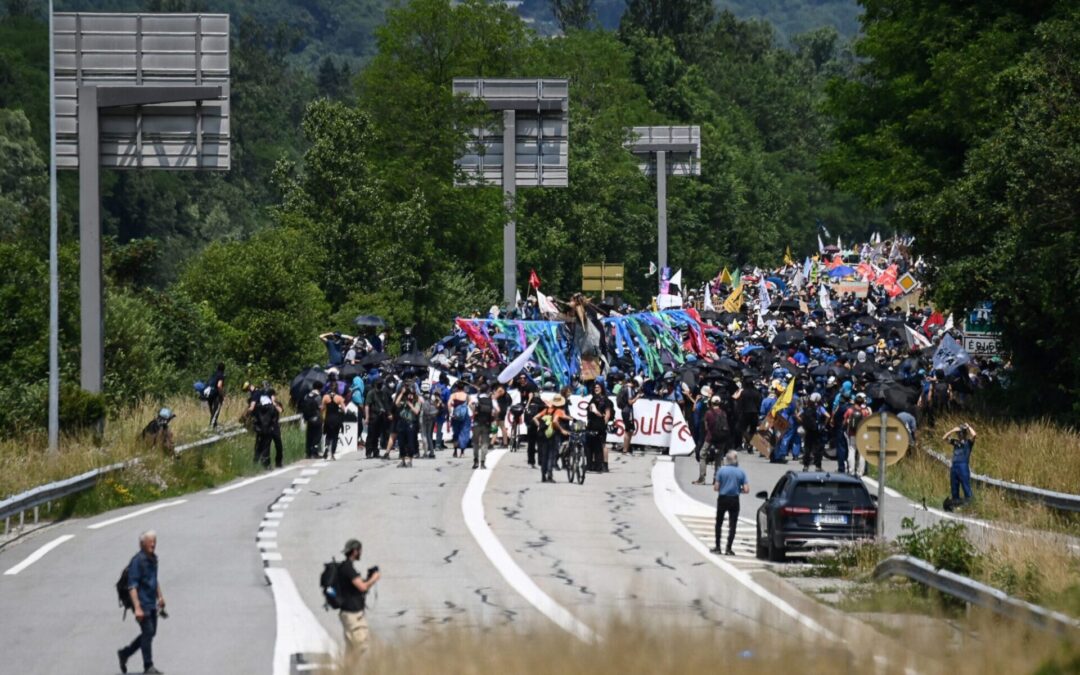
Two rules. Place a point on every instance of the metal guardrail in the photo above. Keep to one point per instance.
(975, 593)
(1062, 501)
(18, 505)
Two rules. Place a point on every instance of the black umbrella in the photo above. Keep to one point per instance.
(366, 320)
(788, 305)
(790, 367)
(862, 342)
(374, 358)
(415, 359)
(818, 337)
(840, 372)
(348, 371)
(710, 315)
(787, 338)
(308, 379)
(820, 371)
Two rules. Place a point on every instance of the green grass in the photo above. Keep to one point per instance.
(160, 477)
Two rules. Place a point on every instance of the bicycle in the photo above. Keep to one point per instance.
(517, 411)
(573, 454)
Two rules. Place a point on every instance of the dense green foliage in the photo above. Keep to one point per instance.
(342, 198)
(973, 134)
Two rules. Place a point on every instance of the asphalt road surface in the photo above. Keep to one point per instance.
(486, 550)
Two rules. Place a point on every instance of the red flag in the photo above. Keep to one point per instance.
(534, 280)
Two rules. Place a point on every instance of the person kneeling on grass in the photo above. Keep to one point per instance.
(962, 439)
(157, 433)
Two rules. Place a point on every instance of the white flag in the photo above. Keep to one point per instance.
(708, 304)
(764, 301)
(916, 338)
(820, 245)
(546, 306)
(826, 302)
(948, 323)
(675, 283)
(950, 356)
(652, 270)
(518, 364)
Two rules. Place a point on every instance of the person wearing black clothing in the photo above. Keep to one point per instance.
(352, 590)
(408, 342)
(597, 418)
(311, 407)
(533, 405)
(147, 600)
(217, 394)
(502, 407)
(812, 420)
(748, 404)
(266, 411)
(333, 421)
(376, 412)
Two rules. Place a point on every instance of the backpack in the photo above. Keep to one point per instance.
(123, 592)
(461, 412)
(203, 390)
(265, 414)
(623, 399)
(484, 408)
(328, 582)
(719, 427)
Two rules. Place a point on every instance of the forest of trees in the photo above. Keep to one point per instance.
(341, 199)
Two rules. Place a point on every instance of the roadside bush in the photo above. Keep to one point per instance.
(944, 545)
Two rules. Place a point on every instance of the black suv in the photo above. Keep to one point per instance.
(811, 510)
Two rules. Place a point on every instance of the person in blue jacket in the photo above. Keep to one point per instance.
(962, 439)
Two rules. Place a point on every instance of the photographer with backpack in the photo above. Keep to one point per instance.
(717, 432)
(265, 412)
(352, 592)
(145, 599)
(483, 409)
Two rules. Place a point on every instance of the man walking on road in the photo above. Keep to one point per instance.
(147, 599)
(353, 589)
(730, 481)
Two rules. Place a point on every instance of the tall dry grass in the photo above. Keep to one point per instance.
(984, 645)
(25, 462)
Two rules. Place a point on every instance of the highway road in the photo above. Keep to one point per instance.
(469, 549)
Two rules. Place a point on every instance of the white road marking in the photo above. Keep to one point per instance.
(269, 523)
(873, 484)
(135, 514)
(290, 491)
(275, 515)
(298, 631)
(321, 464)
(472, 508)
(671, 500)
(309, 472)
(271, 556)
(286, 499)
(266, 534)
(267, 544)
(278, 506)
(249, 481)
(39, 554)
(301, 481)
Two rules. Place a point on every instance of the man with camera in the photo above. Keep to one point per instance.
(962, 439)
(353, 589)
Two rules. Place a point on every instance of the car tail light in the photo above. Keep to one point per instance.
(794, 510)
(869, 513)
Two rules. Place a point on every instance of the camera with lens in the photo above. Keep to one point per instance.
(372, 570)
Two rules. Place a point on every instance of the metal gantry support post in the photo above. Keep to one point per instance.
(881, 478)
(91, 293)
(661, 208)
(509, 185)
(54, 257)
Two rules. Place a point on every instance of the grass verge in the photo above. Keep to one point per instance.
(1034, 453)
(25, 462)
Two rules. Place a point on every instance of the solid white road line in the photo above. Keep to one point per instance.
(873, 485)
(39, 554)
(249, 481)
(472, 508)
(136, 514)
(298, 631)
(671, 501)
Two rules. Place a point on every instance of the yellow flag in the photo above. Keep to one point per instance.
(787, 256)
(734, 301)
(785, 399)
(725, 277)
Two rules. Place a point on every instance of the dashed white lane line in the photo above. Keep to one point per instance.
(269, 523)
(39, 554)
(135, 514)
(266, 545)
(266, 534)
(309, 472)
(301, 481)
(298, 631)
(249, 481)
(672, 502)
(472, 508)
(275, 515)
(271, 556)
(278, 506)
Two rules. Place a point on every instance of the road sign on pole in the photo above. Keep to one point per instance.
(133, 91)
(662, 151)
(603, 277)
(885, 437)
(532, 149)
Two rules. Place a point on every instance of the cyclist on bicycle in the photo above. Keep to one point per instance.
(598, 416)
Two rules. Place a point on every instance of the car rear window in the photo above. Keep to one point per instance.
(823, 492)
